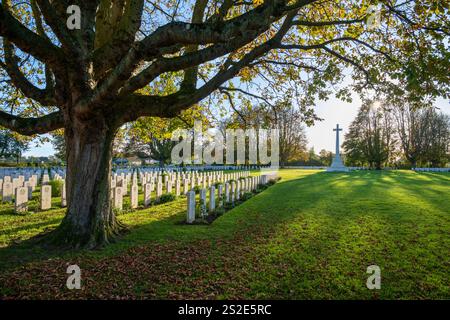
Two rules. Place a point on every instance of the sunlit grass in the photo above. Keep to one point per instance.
(312, 235)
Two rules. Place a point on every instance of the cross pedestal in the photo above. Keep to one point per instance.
(337, 164)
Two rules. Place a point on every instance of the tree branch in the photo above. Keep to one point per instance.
(43, 96)
(58, 26)
(28, 41)
(178, 34)
(31, 126)
(326, 23)
(146, 105)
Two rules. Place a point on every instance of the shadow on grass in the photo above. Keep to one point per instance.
(278, 204)
(155, 224)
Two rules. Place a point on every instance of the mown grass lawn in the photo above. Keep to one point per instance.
(310, 236)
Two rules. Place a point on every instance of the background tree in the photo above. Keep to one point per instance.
(423, 134)
(59, 144)
(289, 122)
(160, 150)
(370, 139)
(114, 69)
(326, 157)
(11, 146)
(313, 159)
(281, 115)
(150, 137)
(412, 132)
(438, 149)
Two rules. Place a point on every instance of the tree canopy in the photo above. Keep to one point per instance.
(141, 58)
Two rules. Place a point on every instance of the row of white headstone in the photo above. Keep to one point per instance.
(431, 169)
(229, 192)
(21, 189)
(157, 182)
(180, 182)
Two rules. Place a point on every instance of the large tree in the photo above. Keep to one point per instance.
(438, 149)
(424, 134)
(370, 140)
(91, 80)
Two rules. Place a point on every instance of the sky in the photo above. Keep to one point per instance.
(334, 111)
(320, 136)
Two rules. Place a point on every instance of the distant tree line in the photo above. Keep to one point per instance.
(397, 135)
(310, 158)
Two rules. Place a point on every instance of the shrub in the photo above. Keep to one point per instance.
(56, 187)
(246, 196)
(262, 187)
(220, 211)
(167, 198)
(228, 206)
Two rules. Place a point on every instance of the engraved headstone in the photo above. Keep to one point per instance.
(134, 196)
(190, 207)
(177, 188)
(169, 186)
(7, 191)
(118, 198)
(185, 186)
(29, 187)
(227, 192)
(147, 194)
(45, 179)
(46, 197)
(63, 195)
(202, 202)
(21, 199)
(233, 191)
(158, 190)
(212, 199)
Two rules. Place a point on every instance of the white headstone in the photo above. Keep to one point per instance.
(212, 199)
(45, 179)
(227, 192)
(21, 199)
(202, 202)
(147, 194)
(220, 194)
(7, 191)
(233, 191)
(63, 195)
(118, 198)
(185, 186)
(177, 188)
(46, 197)
(190, 207)
(158, 190)
(134, 196)
(29, 187)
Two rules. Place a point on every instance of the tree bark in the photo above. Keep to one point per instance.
(90, 221)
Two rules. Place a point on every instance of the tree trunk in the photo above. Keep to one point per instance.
(90, 221)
